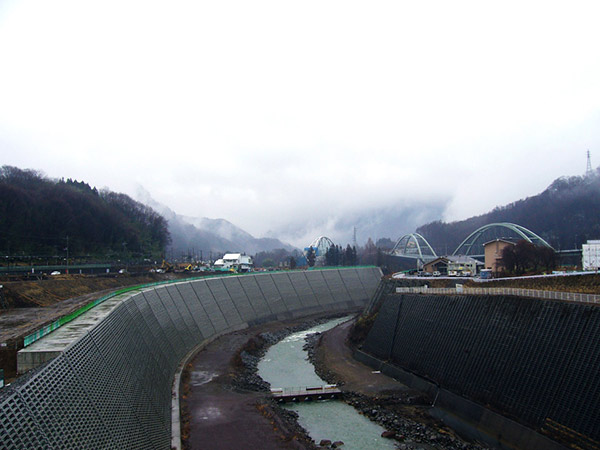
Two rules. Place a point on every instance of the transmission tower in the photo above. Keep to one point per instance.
(354, 237)
(588, 170)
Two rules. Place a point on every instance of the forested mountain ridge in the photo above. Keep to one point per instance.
(44, 217)
(566, 215)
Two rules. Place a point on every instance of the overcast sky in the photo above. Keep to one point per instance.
(265, 113)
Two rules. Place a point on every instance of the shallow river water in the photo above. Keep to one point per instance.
(286, 365)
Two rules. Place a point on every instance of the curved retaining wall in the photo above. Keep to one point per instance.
(112, 388)
(537, 361)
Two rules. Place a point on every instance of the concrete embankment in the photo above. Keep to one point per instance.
(111, 388)
(525, 370)
(28, 306)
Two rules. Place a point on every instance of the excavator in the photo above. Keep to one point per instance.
(165, 267)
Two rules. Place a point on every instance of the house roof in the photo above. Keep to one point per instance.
(457, 259)
(463, 259)
(507, 240)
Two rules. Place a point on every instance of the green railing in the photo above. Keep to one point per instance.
(47, 329)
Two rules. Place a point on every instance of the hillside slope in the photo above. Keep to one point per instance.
(565, 215)
(41, 218)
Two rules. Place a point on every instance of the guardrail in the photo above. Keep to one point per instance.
(459, 289)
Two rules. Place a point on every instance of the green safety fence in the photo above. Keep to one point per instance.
(47, 329)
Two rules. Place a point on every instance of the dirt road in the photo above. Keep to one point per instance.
(334, 355)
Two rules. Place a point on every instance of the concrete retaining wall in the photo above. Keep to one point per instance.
(112, 388)
(536, 361)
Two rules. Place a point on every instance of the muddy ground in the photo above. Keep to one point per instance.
(52, 290)
(227, 406)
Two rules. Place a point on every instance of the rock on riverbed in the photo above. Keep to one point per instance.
(402, 412)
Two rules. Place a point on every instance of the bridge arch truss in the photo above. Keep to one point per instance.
(321, 245)
(414, 246)
(473, 244)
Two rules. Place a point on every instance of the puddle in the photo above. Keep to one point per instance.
(201, 377)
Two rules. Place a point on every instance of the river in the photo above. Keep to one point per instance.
(286, 365)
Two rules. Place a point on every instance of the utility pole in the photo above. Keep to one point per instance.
(2, 302)
(354, 237)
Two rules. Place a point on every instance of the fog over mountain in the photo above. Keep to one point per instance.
(193, 235)
(377, 222)
(218, 235)
(294, 122)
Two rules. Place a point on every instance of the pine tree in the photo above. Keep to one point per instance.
(311, 256)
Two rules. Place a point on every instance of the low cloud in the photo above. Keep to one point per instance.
(282, 120)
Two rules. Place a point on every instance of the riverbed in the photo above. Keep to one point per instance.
(285, 365)
(226, 404)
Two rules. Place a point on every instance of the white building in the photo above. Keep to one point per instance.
(459, 265)
(235, 261)
(591, 255)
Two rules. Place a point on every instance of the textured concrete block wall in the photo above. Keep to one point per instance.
(535, 360)
(112, 388)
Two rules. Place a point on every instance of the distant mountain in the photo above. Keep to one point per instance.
(566, 215)
(209, 236)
